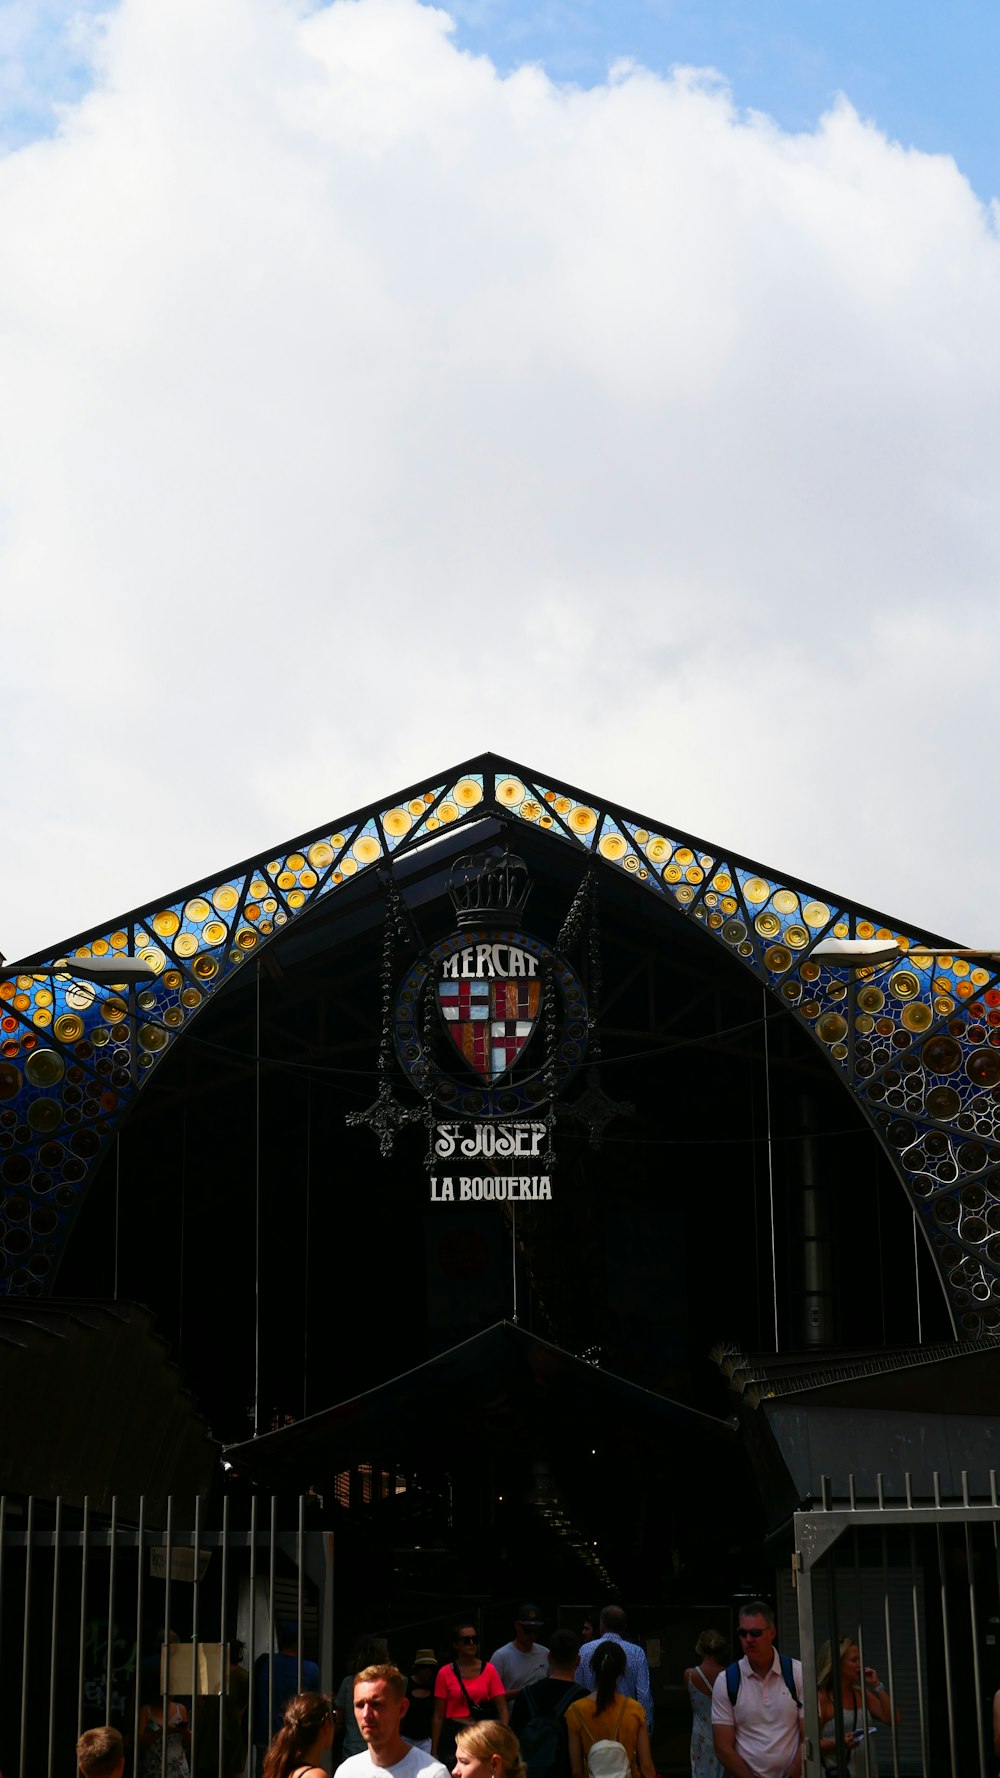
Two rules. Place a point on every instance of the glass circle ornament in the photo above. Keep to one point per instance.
(467, 793)
(777, 958)
(941, 1055)
(815, 913)
(983, 1067)
(44, 1068)
(510, 792)
(943, 1103)
(904, 984)
(44, 1115)
(917, 1016)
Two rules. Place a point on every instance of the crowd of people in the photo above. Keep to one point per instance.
(747, 1714)
(570, 1709)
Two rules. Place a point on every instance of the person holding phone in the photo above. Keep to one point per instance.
(864, 1706)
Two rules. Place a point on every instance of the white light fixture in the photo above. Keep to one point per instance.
(871, 953)
(86, 969)
(856, 953)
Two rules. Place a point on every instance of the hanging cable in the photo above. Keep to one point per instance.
(513, 1255)
(180, 1291)
(256, 1267)
(118, 1167)
(770, 1172)
(756, 1200)
(305, 1290)
(916, 1280)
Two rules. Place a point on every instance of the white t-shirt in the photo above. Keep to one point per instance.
(517, 1668)
(413, 1762)
(765, 1714)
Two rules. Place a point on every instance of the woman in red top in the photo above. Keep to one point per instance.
(464, 1685)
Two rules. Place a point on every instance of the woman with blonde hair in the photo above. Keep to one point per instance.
(713, 1653)
(488, 1750)
(306, 1733)
(868, 1703)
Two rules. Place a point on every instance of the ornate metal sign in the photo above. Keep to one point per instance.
(490, 1024)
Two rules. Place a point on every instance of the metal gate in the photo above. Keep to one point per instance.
(915, 1583)
(88, 1598)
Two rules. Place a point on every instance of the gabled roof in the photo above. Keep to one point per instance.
(502, 1383)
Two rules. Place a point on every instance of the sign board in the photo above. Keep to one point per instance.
(177, 1670)
(181, 1562)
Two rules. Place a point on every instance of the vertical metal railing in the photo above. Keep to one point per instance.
(270, 1618)
(93, 1594)
(167, 1627)
(299, 1544)
(26, 1644)
(903, 1562)
(224, 1638)
(252, 1701)
(3, 1523)
(82, 1671)
(195, 1591)
(140, 1571)
(110, 1660)
(53, 1663)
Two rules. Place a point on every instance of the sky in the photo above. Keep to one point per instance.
(613, 386)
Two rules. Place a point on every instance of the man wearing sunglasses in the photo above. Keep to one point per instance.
(757, 1704)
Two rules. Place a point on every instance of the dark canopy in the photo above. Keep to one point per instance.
(504, 1384)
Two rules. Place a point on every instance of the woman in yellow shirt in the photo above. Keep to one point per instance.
(608, 1716)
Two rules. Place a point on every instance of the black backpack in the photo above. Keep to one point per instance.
(542, 1737)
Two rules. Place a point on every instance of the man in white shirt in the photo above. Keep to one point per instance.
(760, 1735)
(521, 1662)
(380, 1704)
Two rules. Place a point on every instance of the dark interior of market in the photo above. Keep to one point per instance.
(653, 1257)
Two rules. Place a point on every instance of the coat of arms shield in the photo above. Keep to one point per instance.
(490, 1021)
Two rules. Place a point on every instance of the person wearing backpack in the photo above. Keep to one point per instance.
(608, 1737)
(538, 1713)
(757, 1721)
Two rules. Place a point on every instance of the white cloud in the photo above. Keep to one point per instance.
(363, 409)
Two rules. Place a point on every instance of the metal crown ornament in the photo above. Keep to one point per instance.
(489, 887)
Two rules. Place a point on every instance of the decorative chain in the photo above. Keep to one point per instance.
(386, 1116)
(593, 972)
